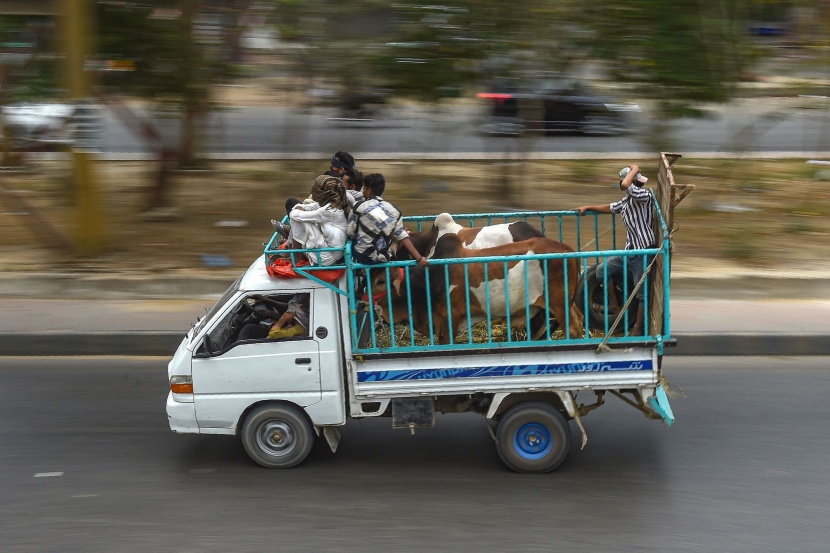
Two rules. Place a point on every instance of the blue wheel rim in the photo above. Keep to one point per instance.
(532, 441)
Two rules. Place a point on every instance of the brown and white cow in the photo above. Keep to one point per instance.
(451, 246)
(471, 237)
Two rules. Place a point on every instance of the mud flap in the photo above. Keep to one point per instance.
(412, 413)
(660, 403)
(570, 406)
(332, 436)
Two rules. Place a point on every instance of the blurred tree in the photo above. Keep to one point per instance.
(232, 14)
(355, 52)
(537, 45)
(543, 38)
(28, 50)
(78, 32)
(679, 52)
(433, 53)
(174, 57)
(332, 42)
(28, 70)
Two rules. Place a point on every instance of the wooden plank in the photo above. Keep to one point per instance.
(664, 194)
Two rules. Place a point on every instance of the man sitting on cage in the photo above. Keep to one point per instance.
(321, 222)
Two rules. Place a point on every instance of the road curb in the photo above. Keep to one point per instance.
(66, 344)
(164, 344)
(707, 344)
(80, 286)
(113, 286)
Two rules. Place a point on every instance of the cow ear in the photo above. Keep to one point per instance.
(397, 284)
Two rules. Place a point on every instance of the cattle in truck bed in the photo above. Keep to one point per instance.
(492, 294)
(471, 237)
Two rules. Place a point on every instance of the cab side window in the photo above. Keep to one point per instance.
(258, 318)
(275, 317)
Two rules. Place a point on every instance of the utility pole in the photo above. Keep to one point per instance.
(89, 216)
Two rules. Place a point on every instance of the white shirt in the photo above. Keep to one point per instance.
(315, 226)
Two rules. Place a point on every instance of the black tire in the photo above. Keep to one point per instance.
(533, 437)
(596, 299)
(277, 436)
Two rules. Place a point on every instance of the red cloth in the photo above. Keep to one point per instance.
(282, 267)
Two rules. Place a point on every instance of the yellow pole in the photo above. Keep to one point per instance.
(89, 217)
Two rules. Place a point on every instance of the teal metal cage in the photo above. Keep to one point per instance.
(594, 237)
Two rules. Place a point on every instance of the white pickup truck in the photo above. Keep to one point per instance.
(279, 394)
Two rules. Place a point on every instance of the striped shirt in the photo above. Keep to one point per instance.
(373, 225)
(638, 216)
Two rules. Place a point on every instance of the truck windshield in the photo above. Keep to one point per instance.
(217, 306)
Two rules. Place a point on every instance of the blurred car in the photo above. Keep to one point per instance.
(767, 29)
(570, 109)
(38, 126)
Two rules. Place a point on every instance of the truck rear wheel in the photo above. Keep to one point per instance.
(277, 436)
(533, 437)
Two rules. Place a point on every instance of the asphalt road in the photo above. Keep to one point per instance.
(88, 464)
(456, 130)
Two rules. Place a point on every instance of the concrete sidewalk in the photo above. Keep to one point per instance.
(109, 315)
(689, 316)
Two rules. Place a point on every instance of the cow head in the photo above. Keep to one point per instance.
(380, 280)
(386, 287)
(423, 241)
(393, 290)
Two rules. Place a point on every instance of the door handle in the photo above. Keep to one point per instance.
(302, 361)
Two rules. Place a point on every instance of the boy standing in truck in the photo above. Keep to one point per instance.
(637, 214)
(375, 225)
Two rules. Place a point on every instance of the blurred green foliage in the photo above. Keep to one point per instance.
(677, 52)
(159, 45)
(28, 67)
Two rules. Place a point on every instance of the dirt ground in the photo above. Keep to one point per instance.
(743, 214)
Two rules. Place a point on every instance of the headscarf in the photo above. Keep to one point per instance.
(330, 190)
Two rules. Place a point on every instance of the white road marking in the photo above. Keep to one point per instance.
(47, 474)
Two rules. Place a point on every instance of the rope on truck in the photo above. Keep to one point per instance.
(603, 347)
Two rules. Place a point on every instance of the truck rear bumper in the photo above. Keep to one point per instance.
(181, 416)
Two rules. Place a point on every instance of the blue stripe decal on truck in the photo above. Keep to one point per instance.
(507, 370)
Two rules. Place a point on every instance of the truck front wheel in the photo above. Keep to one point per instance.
(533, 437)
(277, 436)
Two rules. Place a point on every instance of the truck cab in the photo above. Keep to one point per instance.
(225, 375)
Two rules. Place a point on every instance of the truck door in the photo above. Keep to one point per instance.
(239, 365)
